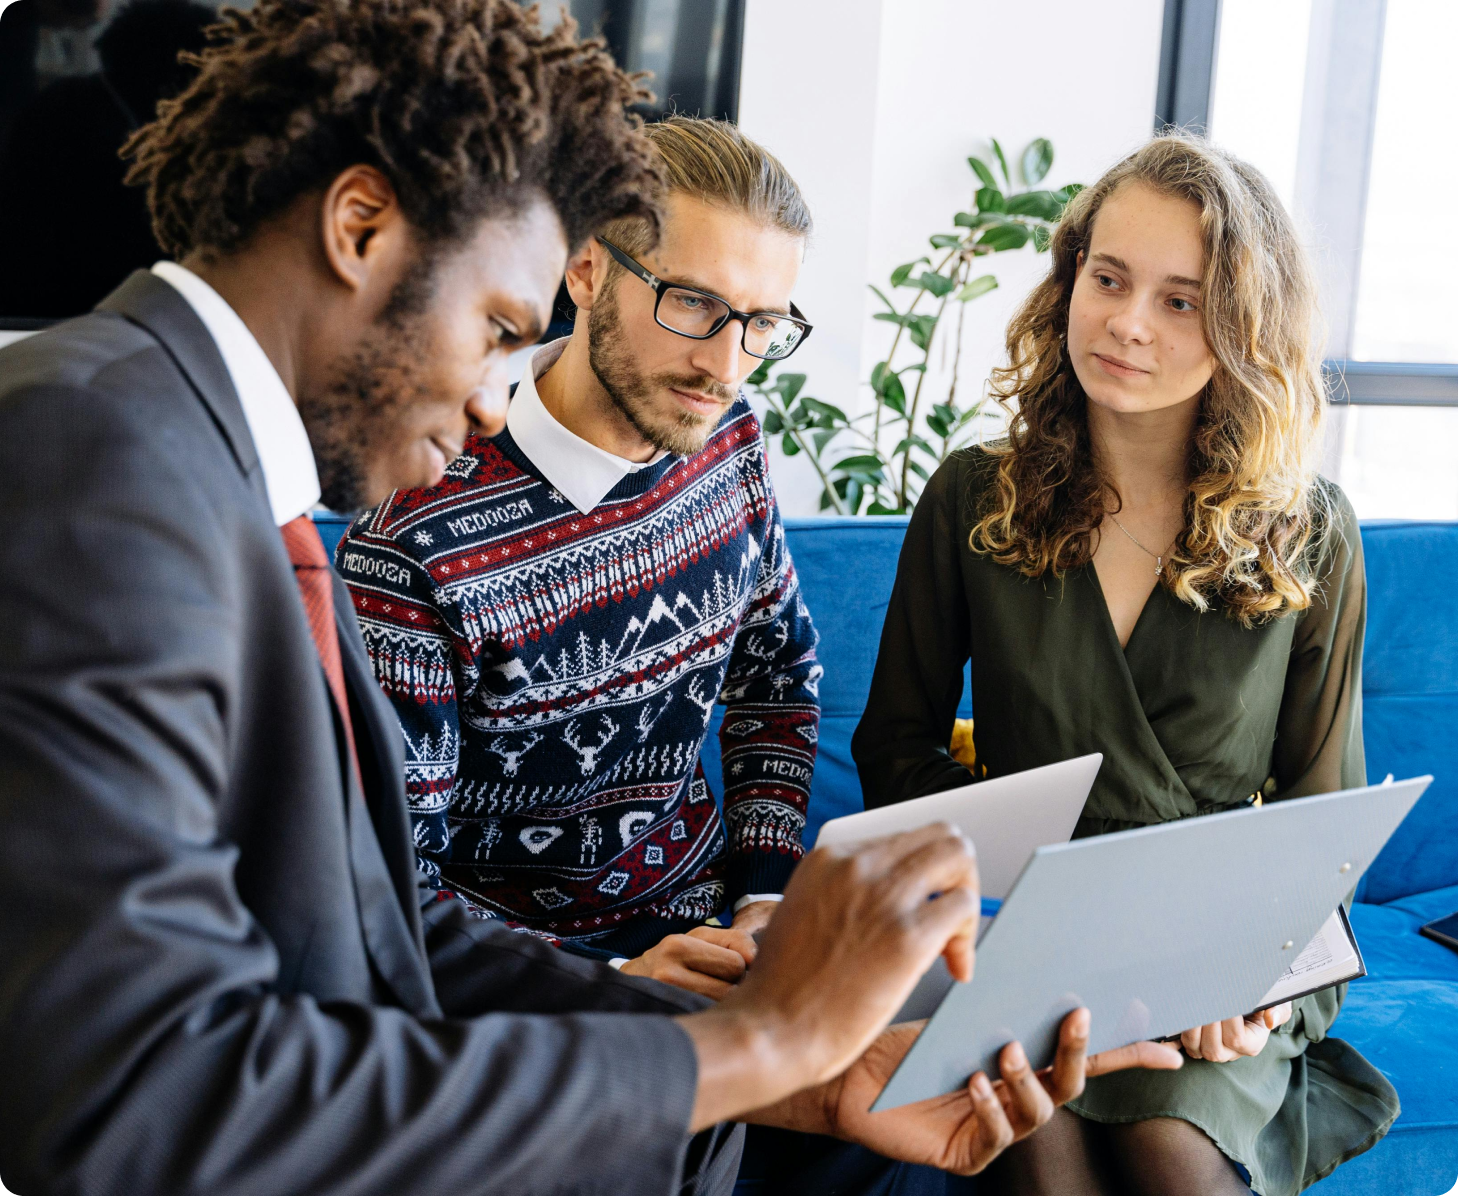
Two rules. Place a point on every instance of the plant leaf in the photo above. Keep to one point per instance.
(760, 374)
(1037, 161)
(943, 241)
(919, 469)
(903, 272)
(982, 170)
(1001, 160)
(1004, 236)
(772, 423)
(977, 287)
(920, 330)
(891, 317)
(827, 410)
(910, 442)
(822, 438)
(788, 445)
(937, 284)
(1068, 192)
(790, 385)
(879, 295)
(1042, 238)
(990, 199)
(860, 461)
(877, 508)
(1042, 204)
(893, 394)
(969, 219)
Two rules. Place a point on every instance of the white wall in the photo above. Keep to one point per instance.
(874, 107)
(808, 91)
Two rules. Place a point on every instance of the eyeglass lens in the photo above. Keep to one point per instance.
(695, 314)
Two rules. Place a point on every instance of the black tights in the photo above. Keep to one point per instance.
(1073, 1157)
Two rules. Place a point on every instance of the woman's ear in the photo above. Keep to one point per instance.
(586, 272)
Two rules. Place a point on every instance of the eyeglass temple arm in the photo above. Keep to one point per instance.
(629, 264)
(809, 328)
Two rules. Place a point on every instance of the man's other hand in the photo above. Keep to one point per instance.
(859, 925)
(707, 960)
(965, 1130)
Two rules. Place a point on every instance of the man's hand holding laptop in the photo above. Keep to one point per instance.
(807, 1027)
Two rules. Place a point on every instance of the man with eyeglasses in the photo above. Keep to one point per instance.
(556, 619)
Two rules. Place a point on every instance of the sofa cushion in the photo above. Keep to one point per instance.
(1406, 1028)
(1408, 735)
(1429, 906)
(1393, 949)
(1410, 696)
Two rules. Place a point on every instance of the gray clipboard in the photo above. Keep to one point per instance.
(1155, 930)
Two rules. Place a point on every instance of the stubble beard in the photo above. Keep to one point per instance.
(364, 407)
(363, 411)
(684, 433)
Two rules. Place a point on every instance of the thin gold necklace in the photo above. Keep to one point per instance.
(1158, 556)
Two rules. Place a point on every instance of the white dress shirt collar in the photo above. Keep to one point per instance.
(582, 472)
(284, 453)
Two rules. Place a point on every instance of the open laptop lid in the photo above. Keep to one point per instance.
(1007, 818)
(1155, 930)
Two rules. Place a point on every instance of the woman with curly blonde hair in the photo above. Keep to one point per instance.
(1149, 566)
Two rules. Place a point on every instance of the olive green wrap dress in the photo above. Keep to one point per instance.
(1196, 714)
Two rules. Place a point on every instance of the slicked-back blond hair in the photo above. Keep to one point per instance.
(1254, 505)
(712, 161)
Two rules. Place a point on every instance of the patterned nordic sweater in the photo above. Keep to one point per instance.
(555, 674)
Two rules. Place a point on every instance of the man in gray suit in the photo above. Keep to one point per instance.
(218, 969)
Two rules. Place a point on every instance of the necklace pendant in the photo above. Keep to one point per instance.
(1158, 566)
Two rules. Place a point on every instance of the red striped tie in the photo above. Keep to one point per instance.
(316, 588)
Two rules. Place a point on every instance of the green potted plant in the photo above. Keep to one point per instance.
(858, 474)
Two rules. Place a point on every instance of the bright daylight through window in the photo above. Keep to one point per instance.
(1347, 106)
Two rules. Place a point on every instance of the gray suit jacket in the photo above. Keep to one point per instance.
(218, 971)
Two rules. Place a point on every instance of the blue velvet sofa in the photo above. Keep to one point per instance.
(1404, 1015)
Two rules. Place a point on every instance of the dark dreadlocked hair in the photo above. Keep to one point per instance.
(467, 106)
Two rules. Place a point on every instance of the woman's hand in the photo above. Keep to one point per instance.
(1235, 1037)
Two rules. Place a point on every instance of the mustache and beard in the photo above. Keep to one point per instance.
(365, 407)
(682, 433)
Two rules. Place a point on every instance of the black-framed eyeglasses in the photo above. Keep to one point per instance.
(768, 335)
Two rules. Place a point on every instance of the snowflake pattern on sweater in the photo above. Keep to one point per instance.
(555, 674)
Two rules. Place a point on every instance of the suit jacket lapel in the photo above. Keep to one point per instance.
(154, 304)
(382, 851)
(381, 844)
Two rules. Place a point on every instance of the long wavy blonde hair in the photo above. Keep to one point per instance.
(1254, 503)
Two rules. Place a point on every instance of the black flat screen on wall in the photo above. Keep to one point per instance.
(78, 76)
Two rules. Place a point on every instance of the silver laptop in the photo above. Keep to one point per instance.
(1155, 930)
(1007, 818)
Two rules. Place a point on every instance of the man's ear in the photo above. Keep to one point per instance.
(359, 219)
(587, 270)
